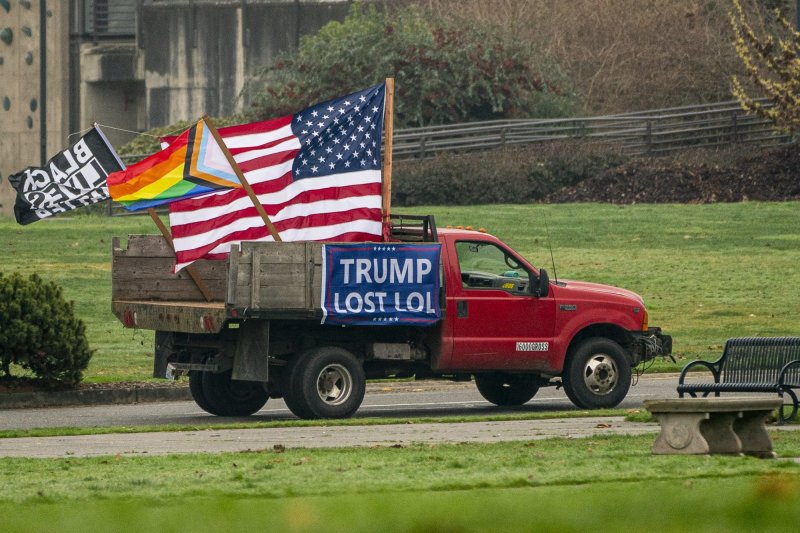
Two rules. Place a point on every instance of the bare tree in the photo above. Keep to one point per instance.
(772, 65)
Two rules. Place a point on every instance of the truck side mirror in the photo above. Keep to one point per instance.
(543, 286)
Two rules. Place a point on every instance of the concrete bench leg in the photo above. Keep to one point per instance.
(719, 433)
(680, 433)
(752, 431)
(698, 434)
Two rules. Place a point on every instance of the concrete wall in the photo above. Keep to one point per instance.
(111, 90)
(20, 101)
(190, 58)
(195, 57)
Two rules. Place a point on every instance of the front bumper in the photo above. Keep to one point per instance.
(650, 344)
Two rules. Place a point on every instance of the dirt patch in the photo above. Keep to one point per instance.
(769, 175)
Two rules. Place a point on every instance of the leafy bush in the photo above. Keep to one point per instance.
(444, 71)
(40, 332)
(508, 175)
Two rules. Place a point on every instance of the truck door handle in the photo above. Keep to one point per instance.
(461, 309)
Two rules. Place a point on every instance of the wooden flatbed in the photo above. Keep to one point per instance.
(263, 280)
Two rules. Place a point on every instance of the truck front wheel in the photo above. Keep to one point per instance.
(597, 375)
(325, 382)
(507, 389)
(220, 395)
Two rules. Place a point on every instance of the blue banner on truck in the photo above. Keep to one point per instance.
(380, 284)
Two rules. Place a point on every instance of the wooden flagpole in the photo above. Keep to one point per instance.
(388, 123)
(189, 269)
(245, 185)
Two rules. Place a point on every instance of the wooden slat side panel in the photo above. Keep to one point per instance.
(154, 268)
(255, 281)
(166, 290)
(316, 286)
(282, 298)
(148, 246)
(144, 272)
(309, 275)
(271, 274)
(279, 276)
(243, 284)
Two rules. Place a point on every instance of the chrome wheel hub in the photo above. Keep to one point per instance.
(334, 384)
(600, 374)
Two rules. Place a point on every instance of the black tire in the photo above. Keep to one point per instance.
(292, 391)
(597, 374)
(325, 382)
(507, 389)
(223, 396)
(196, 388)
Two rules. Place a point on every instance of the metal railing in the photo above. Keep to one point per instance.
(643, 133)
(650, 132)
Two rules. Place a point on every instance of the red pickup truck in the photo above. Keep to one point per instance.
(500, 321)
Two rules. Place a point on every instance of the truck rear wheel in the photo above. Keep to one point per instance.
(220, 395)
(196, 388)
(507, 389)
(598, 374)
(325, 382)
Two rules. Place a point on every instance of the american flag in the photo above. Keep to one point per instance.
(317, 173)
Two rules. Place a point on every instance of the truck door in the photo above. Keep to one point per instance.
(499, 324)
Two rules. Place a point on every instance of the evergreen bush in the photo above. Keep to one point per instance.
(40, 332)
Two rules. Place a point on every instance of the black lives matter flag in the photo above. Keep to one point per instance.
(73, 178)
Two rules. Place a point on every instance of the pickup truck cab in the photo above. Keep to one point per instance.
(504, 323)
(508, 323)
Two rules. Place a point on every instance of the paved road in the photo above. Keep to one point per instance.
(432, 399)
(408, 399)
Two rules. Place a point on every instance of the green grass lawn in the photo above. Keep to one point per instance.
(612, 482)
(707, 272)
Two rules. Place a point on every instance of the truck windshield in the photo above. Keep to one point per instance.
(485, 265)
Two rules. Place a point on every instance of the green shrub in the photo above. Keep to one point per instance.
(445, 71)
(40, 332)
(507, 175)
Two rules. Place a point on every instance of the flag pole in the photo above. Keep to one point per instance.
(245, 185)
(388, 122)
(189, 269)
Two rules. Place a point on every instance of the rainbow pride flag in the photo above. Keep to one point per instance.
(193, 164)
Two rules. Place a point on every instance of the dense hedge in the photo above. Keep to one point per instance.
(40, 332)
(507, 175)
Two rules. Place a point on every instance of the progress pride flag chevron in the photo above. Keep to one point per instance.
(317, 173)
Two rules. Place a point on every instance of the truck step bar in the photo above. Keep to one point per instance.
(179, 369)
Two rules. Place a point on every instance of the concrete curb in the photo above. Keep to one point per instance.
(28, 400)
(129, 395)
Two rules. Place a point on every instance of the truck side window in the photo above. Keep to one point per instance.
(486, 266)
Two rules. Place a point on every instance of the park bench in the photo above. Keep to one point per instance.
(713, 425)
(755, 365)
